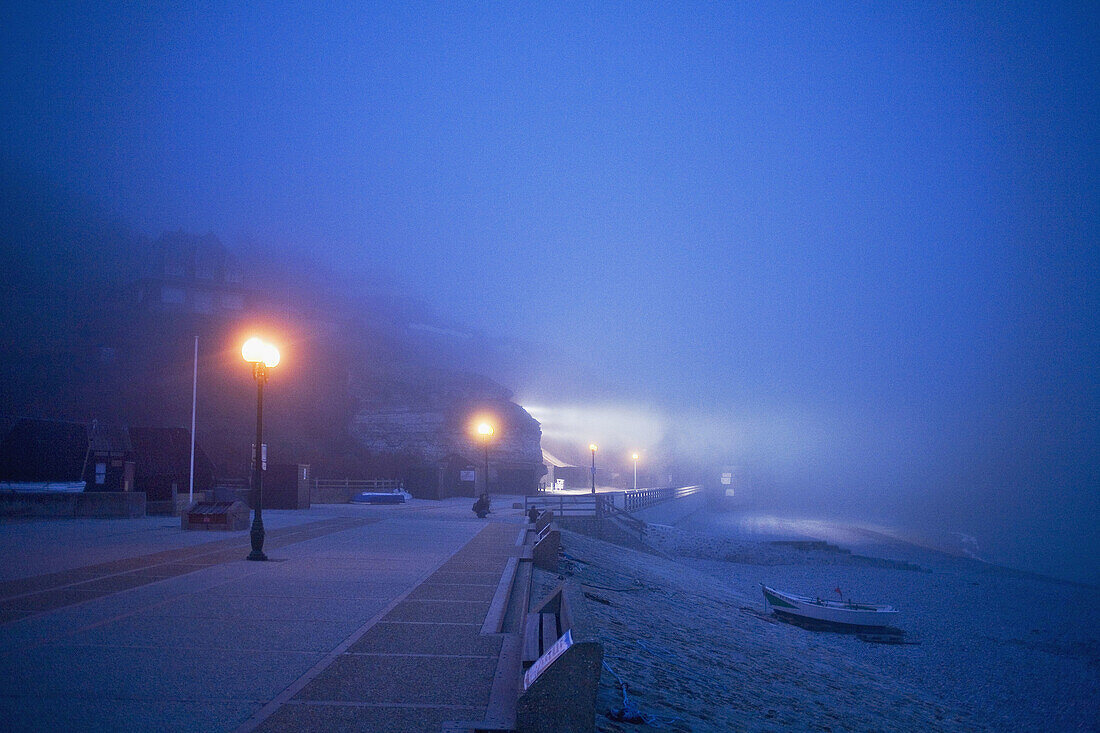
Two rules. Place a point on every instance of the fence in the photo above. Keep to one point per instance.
(341, 491)
(369, 484)
(377, 485)
(321, 491)
(569, 505)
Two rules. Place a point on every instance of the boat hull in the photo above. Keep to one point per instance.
(811, 612)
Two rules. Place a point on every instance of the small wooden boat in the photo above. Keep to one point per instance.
(820, 611)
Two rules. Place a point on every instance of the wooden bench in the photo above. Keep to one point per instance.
(545, 625)
(544, 553)
(559, 687)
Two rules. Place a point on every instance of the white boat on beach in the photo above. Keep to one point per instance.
(824, 612)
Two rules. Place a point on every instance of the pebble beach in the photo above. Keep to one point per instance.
(687, 640)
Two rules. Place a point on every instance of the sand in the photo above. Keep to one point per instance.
(685, 631)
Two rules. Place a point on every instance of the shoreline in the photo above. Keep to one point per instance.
(760, 525)
(687, 635)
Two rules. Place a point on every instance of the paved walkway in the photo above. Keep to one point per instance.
(422, 663)
(367, 618)
(24, 597)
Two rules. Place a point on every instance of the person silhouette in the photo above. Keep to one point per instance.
(481, 506)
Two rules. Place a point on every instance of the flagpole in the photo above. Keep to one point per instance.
(194, 399)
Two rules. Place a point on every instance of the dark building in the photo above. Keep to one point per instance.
(286, 486)
(156, 461)
(453, 475)
(110, 464)
(162, 463)
(44, 451)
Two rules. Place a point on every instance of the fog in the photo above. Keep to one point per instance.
(853, 251)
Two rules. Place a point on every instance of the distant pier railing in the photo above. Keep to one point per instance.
(642, 498)
(605, 504)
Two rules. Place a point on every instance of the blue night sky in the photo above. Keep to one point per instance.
(856, 241)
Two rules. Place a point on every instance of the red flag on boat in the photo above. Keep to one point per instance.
(837, 591)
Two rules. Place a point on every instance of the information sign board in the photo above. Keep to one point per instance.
(547, 659)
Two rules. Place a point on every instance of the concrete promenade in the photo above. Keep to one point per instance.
(366, 618)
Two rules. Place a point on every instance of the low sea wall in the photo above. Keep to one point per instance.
(126, 504)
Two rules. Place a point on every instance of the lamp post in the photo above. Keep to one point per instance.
(635, 457)
(262, 356)
(592, 447)
(485, 431)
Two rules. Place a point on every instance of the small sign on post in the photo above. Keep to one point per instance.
(263, 456)
(547, 659)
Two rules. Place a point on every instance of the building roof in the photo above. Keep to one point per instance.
(552, 460)
(109, 439)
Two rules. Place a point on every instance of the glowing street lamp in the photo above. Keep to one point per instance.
(485, 433)
(592, 447)
(635, 457)
(262, 356)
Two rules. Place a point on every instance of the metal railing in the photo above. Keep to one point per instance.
(377, 485)
(602, 505)
(384, 485)
(568, 505)
(643, 498)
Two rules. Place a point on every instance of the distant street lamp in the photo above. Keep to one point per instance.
(262, 356)
(592, 447)
(635, 457)
(485, 432)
